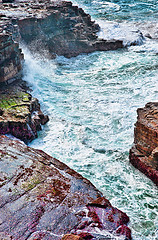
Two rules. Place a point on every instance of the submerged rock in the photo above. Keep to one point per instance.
(20, 113)
(144, 153)
(42, 198)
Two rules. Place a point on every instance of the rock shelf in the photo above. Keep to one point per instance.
(48, 28)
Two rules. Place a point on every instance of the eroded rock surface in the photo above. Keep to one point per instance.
(10, 59)
(20, 113)
(144, 153)
(42, 198)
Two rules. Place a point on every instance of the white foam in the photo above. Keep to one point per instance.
(130, 35)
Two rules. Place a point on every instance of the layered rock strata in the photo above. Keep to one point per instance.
(20, 113)
(144, 153)
(42, 198)
(10, 59)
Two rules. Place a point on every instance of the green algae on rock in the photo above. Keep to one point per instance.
(20, 114)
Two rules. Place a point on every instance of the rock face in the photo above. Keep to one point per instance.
(20, 113)
(62, 29)
(144, 153)
(42, 198)
(10, 59)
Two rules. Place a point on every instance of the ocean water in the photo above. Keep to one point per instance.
(92, 101)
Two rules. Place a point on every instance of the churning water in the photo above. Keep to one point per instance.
(92, 100)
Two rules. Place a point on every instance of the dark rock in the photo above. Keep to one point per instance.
(42, 198)
(7, 1)
(148, 36)
(1, 112)
(144, 152)
(56, 28)
(10, 59)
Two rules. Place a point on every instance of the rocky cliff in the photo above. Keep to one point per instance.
(50, 28)
(144, 153)
(42, 198)
(10, 59)
(62, 29)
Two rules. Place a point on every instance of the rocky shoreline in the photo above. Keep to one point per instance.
(48, 28)
(20, 113)
(40, 197)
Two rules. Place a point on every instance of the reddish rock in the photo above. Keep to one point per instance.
(71, 237)
(41, 198)
(144, 153)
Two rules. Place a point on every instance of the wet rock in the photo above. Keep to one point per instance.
(20, 113)
(42, 198)
(102, 217)
(4, 236)
(143, 154)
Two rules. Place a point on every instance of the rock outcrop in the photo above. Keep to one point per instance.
(55, 28)
(144, 153)
(42, 198)
(62, 29)
(10, 59)
(20, 113)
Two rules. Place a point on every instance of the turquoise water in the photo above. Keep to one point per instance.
(92, 101)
